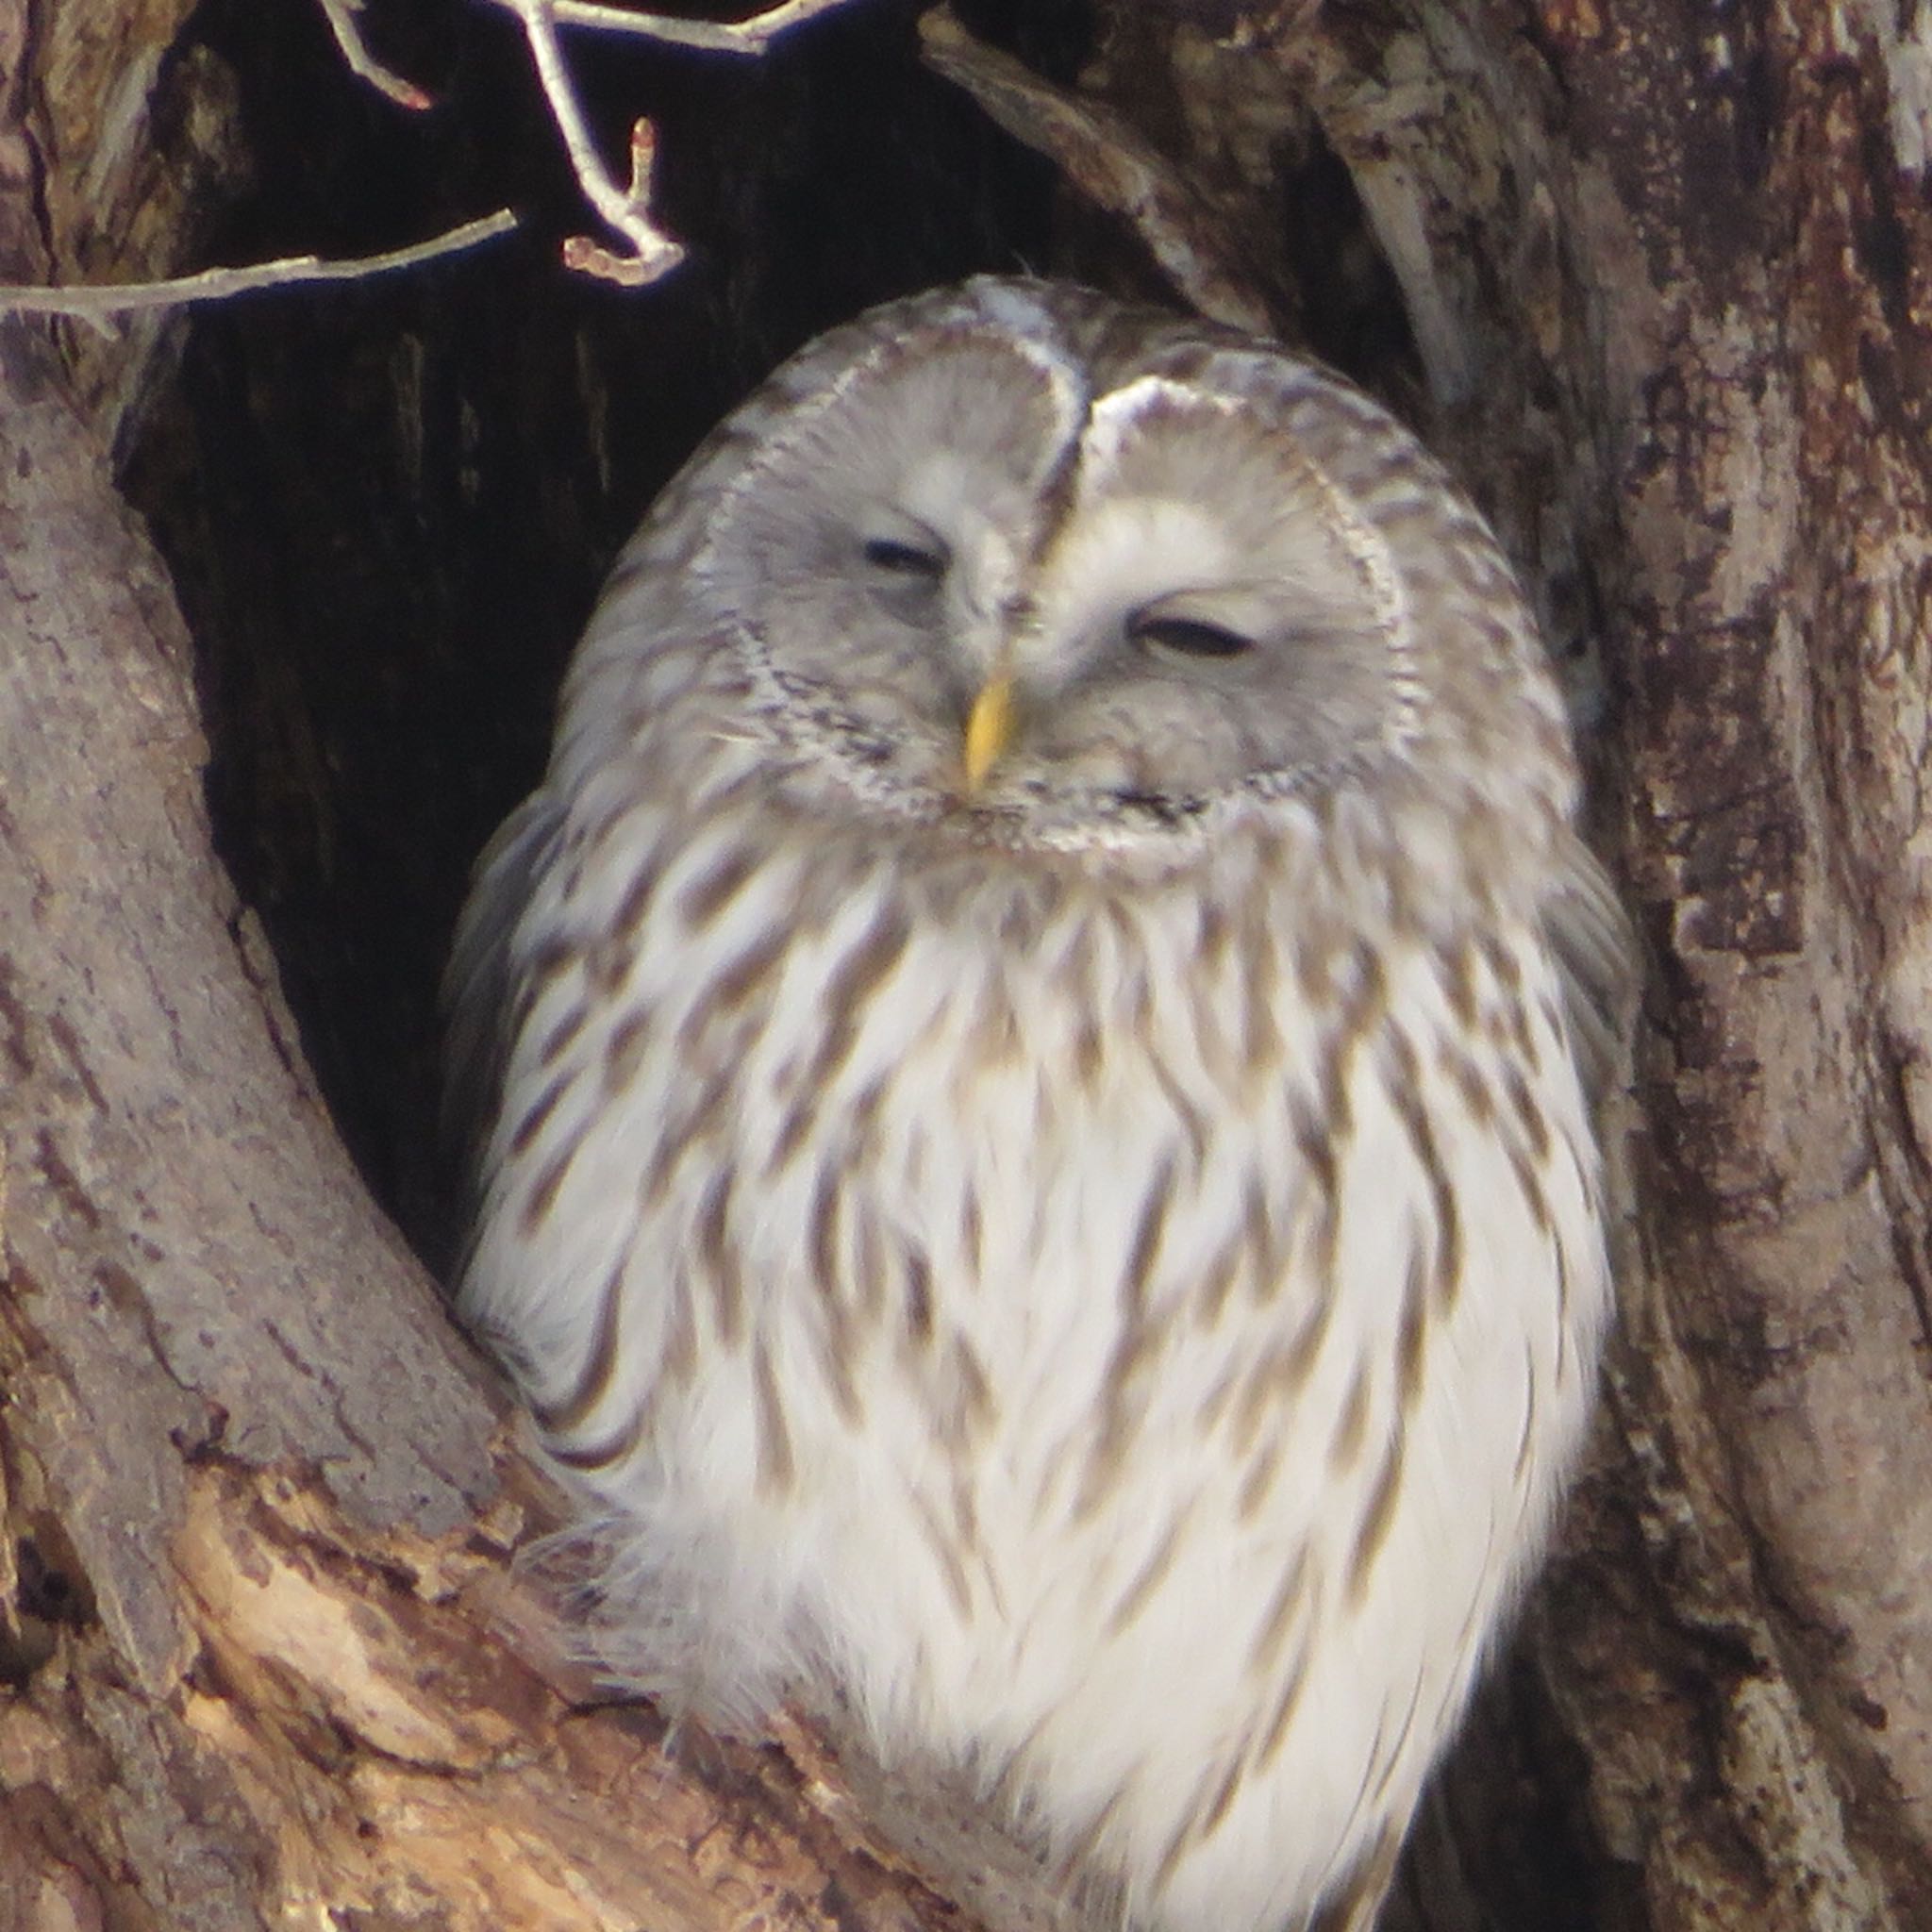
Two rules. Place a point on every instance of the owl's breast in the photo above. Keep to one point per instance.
(1004, 1295)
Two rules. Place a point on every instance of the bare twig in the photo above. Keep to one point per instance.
(652, 251)
(362, 63)
(1110, 163)
(747, 37)
(626, 210)
(91, 302)
(658, 253)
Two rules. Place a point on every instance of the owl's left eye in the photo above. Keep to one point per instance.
(907, 560)
(1189, 636)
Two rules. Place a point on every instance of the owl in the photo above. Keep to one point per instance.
(1034, 1063)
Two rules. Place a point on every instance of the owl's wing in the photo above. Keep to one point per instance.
(1594, 946)
(479, 985)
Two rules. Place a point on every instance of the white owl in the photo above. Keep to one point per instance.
(1033, 1058)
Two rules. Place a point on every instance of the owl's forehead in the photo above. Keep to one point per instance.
(1024, 410)
(971, 395)
(936, 412)
(1031, 359)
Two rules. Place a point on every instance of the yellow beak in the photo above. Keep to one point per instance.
(990, 728)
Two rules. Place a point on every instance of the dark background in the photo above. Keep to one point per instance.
(388, 505)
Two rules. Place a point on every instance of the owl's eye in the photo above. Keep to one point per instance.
(1188, 636)
(910, 562)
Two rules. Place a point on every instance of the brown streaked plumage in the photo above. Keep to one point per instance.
(1034, 1068)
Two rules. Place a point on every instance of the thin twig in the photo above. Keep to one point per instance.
(90, 301)
(1110, 163)
(362, 63)
(658, 253)
(747, 37)
(626, 210)
(653, 252)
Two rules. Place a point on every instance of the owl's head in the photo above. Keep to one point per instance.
(1014, 561)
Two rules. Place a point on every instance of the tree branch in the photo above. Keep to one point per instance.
(92, 301)
(1113, 165)
(343, 22)
(748, 38)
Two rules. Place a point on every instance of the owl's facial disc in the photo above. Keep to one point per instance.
(871, 559)
(1207, 616)
(975, 593)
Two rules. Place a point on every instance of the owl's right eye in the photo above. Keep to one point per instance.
(910, 562)
(1190, 636)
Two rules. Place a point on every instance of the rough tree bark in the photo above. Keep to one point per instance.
(1702, 253)
(1665, 273)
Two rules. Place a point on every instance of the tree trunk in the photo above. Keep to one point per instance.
(1656, 285)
